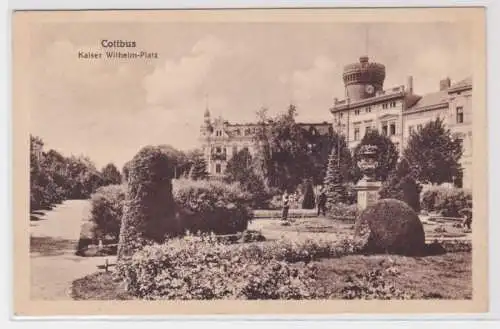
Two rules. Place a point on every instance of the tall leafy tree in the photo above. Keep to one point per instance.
(111, 175)
(387, 155)
(287, 153)
(434, 154)
(402, 185)
(240, 169)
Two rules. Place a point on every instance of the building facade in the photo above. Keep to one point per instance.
(397, 111)
(221, 140)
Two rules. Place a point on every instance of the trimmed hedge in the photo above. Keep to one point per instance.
(205, 206)
(446, 201)
(212, 206)
(200, 267)
(344, 211)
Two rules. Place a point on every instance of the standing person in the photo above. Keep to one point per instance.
(322, 202)
(286, 206)
(468, 221)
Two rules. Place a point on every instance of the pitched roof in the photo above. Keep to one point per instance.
(467, 82)
(431, 99)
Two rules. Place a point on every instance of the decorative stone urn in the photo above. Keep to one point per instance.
(368, 162)
(368, 187)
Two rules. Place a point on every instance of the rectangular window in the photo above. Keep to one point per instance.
(410, 130)
(460, 114)
(356, 133)
(384, 129)
(384, 106)
(217, 168)
(393, 129)
(356, 112)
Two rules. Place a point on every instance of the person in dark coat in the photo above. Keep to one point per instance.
(286, 206)
(322, 202)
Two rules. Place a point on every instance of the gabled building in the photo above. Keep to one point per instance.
(397, 111)
(220, 140)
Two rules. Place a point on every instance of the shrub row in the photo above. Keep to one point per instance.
(446, 201)
(344, 211)
(201, 267)
(212, 206)
(203, 206)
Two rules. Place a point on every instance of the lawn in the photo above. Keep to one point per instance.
(446, 276)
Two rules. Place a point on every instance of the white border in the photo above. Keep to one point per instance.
(493, 71)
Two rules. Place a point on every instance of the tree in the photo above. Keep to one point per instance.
(334, 182)
(402, 185)
(387, 155)
(239, 166)
(178, 159)
(198, 169)
(240, 169)
(111, 175)
(434, 154)
(286, 152)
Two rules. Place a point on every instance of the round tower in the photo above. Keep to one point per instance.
(364, 79)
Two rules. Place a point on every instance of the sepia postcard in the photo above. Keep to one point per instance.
(250, 162)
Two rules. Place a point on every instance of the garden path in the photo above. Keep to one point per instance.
(53, 240)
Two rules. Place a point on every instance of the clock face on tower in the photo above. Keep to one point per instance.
(369, 89)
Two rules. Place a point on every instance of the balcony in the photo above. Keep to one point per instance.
(219, 156)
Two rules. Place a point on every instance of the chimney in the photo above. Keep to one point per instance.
(409, 85)
(444, 84)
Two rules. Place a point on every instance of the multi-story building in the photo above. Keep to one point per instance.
(221, 140)
(397, 111)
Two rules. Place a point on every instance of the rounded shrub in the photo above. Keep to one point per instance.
(394, 227)
(149, 212)
(212, 206)
(107, 210)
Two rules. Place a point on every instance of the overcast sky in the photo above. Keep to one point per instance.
(108, 109)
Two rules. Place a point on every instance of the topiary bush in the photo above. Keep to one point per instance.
(212, 206)
(107, 210)
(308, 202)
(149, 212)
(446, 201)
(394, 227)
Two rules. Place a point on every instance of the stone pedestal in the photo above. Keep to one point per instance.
(367, 193)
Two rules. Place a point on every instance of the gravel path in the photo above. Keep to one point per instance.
(54, 237)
